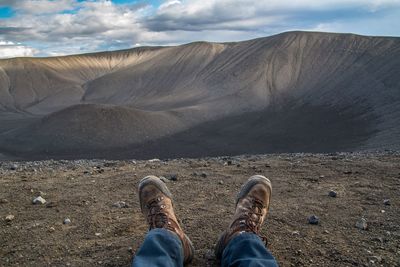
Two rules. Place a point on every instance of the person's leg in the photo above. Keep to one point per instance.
(247, 250)
(166, 244)
(240, 244)
(160, 248)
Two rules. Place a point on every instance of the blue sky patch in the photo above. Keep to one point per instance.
(6, 12)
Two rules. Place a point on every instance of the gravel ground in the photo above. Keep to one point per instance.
(102, 234)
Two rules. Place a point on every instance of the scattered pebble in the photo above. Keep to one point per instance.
(347, 172)
(296, 233)
(97, 234)
(52, 229)
(153, 160)
(313, 219)
(221, 182)
(203, 174)
(375, 259)
(13, 167)
(362, 224)
(172, 177)
(332, 193)
(67, 221)
(10, 217)
(39, 200)
(120, 205)
(386, 202)
(3, 201)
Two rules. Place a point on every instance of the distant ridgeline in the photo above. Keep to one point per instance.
(292, 92)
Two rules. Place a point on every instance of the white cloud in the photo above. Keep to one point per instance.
(68, 26)
(9, 49)
(40, 6)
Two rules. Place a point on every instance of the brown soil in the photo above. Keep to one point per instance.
(85, 191)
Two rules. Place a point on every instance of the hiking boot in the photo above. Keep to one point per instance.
(156, 205)
(252, 204)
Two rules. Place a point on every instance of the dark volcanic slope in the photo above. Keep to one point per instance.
(295, 91)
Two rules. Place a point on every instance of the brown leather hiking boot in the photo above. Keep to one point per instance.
(156, 205)
(252, 204)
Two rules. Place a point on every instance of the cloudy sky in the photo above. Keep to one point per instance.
(61, 27)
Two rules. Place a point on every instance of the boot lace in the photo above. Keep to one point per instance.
(157, 217)
(249, 223)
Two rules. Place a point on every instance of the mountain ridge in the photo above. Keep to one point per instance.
(201, 82)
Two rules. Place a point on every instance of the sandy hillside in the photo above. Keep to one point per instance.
(291, 88)
(102, 235)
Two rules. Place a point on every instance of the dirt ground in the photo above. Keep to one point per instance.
(102, 235)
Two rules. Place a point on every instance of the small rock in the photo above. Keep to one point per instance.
(229, 162)
(362, 224)
(10, 217)
(221, 182)
(39, 200)
(332, 193)
(120, 205)
(376, 259)
(313, 219)
(110, 164)
(322, 176)
(153, 160)
(52, 229)
(3, 201)
(67, 221)
(97, 234)
(172, 177)
(347, 172)
(296, 233)
(13, 167)
(386, 202)
(203, 174)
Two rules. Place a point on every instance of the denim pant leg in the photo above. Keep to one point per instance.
(160, 248)
(247, 250)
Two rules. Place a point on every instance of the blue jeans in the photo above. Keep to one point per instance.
(163, 248)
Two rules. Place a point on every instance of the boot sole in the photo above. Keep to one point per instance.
(252, 181)
(154, 180)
